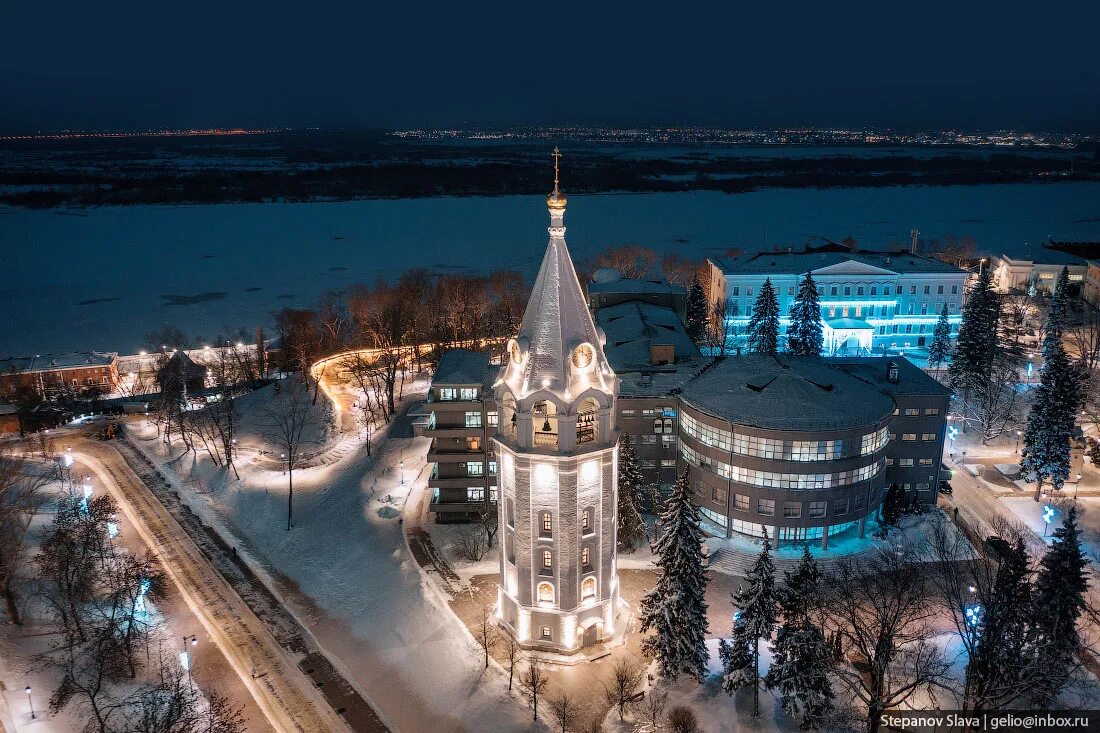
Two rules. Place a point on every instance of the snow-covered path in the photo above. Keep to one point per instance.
(348, 575)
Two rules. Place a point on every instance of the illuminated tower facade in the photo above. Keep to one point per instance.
(557, 462)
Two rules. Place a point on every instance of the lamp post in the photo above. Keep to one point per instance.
(30, 702)
(185, 659)
(1048, 517)
(1076, 486)
(1018, 434)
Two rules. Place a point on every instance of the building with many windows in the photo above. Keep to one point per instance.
(1037, 272)
(460, 422)
(871, 302)
(804, 448)
(51, 375)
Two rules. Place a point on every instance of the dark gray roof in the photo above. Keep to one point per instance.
(787, 393)
(630, 285)
(912, 380)
(1045, 255)
(778, 263)
(54, 362)
(632, 327)
(462, 366)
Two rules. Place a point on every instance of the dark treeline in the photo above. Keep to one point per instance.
(288, 167)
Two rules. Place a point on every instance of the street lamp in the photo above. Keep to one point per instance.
(1076, 485)
(30, 702)
(1048, 517)
(1018, 434)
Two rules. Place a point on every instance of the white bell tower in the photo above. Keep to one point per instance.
(557, 464)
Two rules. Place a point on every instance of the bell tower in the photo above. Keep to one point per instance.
(557, 464)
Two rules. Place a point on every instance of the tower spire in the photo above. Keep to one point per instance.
(557, 157)
(556, 200)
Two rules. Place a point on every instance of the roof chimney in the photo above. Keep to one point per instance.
(892, 372)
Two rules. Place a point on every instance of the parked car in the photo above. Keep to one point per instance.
(997, 546)
(945, 488)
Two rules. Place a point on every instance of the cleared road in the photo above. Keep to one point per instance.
(286, 696)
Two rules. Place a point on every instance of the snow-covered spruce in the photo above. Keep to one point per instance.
(675, 610)
(764, 324)
(1046, 451)
(805, 337)
(757, 607)
(632, 529)
(939, 351)
(801, 657)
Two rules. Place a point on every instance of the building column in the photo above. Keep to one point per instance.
(862, 525)
(825, 537)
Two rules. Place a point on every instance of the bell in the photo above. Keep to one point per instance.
(546, 426)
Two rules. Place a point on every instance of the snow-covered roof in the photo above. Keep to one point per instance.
(912, 380)
(787, 393)
(556, 322)
(633, 327)
(462, 366)
(56, 362)
(786, 263)
(633, 285)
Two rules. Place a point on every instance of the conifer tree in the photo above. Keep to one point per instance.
(1050, 422)
(801, 656)
(998, 669)
(758, 605)
(1059, 600)
(632, 527)
(675, 610)
(1055, 327)
(737, 659)
(764, 324)
(697, 311)
(892, 505)
(940, 348)
(976, 346)
(804, 335)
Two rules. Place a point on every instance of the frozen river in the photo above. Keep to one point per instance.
(101, 278)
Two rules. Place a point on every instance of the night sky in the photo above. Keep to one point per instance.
(905, 65)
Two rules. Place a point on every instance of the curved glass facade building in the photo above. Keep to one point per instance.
(790, 446)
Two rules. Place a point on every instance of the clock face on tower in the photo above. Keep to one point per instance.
(583, 356)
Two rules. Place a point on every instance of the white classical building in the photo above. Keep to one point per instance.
(870, 301)
(558, 465)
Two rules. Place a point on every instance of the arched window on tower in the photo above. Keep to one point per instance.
(546, 593)
(544, 423)
(587, 413)
(588, 589)
(508, 417)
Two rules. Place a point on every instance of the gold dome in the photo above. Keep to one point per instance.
(556, 200)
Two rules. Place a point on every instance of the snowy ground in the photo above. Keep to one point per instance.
(233, 264)
(21, 648)
(346, 573)
(1030, 513)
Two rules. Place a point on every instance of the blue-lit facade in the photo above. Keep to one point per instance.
(870, 302)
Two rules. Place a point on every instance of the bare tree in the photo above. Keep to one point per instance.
(284, 420)
(680, 270)
(170, 704)
(631, 260)
(512, 651)
(470, 544)
(880, 611)
(652, 707)
(385, 317)
(993, 404)
(719, 330)
(21, 496)
(565, 711)
(488, 634)
(533, 681)
(620, 691)
(70, 560)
